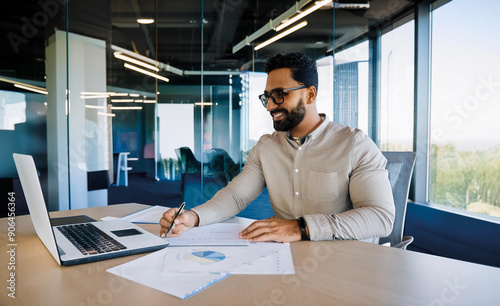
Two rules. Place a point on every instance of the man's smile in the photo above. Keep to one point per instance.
(278, 114)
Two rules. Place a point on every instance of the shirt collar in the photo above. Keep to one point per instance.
(314, 133)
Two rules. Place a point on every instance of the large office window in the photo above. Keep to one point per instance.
(396, 105)
(324, 99)
(465, 145)
(351, 86)
(12, 109)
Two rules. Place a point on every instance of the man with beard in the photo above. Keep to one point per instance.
(326, 181)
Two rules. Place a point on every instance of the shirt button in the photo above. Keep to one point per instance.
(297, 193)
(296, 170)
(300, 148)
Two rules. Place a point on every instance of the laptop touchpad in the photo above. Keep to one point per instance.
(127, 232)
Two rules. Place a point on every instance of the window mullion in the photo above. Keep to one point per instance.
(421, 145)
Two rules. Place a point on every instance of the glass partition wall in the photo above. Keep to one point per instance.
(156, 101)
(146, 101)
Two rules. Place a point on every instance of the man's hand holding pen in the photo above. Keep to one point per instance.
(177, 221)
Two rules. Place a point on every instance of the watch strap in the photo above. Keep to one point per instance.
(302, 226)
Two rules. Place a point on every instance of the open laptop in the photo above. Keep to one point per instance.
(77, 243)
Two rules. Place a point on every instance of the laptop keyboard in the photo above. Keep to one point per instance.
(89, 239)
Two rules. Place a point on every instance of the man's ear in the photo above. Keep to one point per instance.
(311, 94)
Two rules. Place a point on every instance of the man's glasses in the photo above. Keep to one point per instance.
(277, 95)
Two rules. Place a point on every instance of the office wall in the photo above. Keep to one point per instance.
(176, 128)
(440, 231)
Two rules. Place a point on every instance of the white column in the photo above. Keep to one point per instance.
(84, 71)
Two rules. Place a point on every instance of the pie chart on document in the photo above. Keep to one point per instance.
(206, 257)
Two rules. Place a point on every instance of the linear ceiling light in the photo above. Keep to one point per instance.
(149, 101)
(145, 20)
(204, 103)
(96, 93)
(121, 100)
(25, 86)
(159, 77)
(316, 6)
(160, 65)
(94, 97)
(106, 114)
(135, 61)
(36, 89)
(95, 106)
(357, 5)
(126, 107)
(281, 35)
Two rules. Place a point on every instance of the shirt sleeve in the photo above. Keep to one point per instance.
(373, 210)
(233, 198)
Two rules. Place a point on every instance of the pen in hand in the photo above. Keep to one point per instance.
(175, 217)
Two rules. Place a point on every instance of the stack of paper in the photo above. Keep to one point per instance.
(202, 256)
(148, 215)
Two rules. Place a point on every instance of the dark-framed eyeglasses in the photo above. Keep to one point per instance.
(277, 95)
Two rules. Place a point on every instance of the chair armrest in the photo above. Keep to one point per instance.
(404, 243)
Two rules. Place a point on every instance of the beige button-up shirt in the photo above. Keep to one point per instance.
(336, 180)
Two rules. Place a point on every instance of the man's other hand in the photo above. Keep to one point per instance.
(272, 229)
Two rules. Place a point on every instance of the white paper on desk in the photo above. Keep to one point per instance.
(151, 215)
(213, 259)
(109, 218)
(212, 234)
(243, 222)
(280, 262)
(147, 271)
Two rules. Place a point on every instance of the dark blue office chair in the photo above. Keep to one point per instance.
(400, 168)
(189, 163)
(192, 192)
(258, 209)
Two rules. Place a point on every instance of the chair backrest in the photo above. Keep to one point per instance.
(189, 163)
(214, 161)
(400, 168)
(223, 162)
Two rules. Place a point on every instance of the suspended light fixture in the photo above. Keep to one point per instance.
(303, 14)
(145, 20)
(123, 57)
(36, 89)
(126, 107)
(159, 77)
(281, 35)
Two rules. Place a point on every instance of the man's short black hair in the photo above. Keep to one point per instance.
(304, 70)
